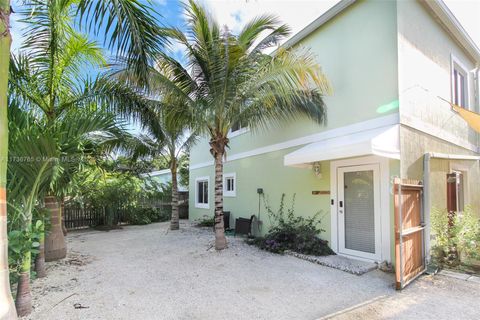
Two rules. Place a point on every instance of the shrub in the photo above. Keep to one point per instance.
(206, 221)
(294, 233)
(453, 243)
(141, 216)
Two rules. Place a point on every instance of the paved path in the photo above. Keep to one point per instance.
(148, 272)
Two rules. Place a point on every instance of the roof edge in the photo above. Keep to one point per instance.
(318, 22)
(453, 26)
(437, 7)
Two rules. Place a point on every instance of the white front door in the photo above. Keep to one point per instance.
(358, 206)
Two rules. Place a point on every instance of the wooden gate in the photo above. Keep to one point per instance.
(409, 231)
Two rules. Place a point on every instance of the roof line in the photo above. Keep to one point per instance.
(436, 7)
(453, 26)
(317, 23)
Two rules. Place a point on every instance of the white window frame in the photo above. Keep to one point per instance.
(238, 132)
(202, 205)
(230, 193)
(457, 64)
(463, 169)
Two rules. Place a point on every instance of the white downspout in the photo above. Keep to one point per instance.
(426, 202)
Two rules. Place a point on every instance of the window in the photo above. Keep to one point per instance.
(237, 129)
(455, 192)
(459, 83)
(201, 193)
(229, 185)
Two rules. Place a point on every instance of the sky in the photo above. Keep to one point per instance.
(296, 13)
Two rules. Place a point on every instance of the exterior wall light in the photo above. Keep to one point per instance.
(317, 169)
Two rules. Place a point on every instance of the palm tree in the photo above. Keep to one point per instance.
(231, 80)
(39, 161)
(168, 135)
(49, 76)
(7, 308)
(132, 33)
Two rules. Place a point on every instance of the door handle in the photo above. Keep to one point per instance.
(340, 204)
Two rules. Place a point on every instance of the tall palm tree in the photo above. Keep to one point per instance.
(132, 32)
(233, 81)
(168, 135)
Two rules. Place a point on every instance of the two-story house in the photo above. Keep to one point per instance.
(390, 64)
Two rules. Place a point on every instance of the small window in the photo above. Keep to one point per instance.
(237, 126)
(237, 129)
(455, 192)
(201, 192)
(459, 84)
(229, 185)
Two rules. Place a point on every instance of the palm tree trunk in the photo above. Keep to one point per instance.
(40, 258)
(220, 240)
(23, 302)
(174, 221)
(7, 307)
(55, 246)
(64, 229)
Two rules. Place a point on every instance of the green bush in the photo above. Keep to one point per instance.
(141, 216)
(456, 242)
(206, 221)
(294, 233)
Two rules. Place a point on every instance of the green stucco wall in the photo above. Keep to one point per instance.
(358, 53)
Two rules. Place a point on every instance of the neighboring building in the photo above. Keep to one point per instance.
(164, 177)
(388, 63)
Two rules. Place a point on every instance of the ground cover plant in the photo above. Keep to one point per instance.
(290, 232)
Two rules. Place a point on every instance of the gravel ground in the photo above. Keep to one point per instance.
(148, 272)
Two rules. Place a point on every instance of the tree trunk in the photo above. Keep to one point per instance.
(55, 246)
(64, 229)
(174, 221)
(40, 259)
(220, 240)
(7, 307)
(23, 302)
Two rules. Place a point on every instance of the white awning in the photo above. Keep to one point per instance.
(384, 142)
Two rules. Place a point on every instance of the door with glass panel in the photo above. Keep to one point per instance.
(358, 211)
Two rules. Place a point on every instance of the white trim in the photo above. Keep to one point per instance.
(232, 134)
(463, 169)
(333, 133)
(202, 205)
(227, 193)
(406, 120)
(456, 63)
(385, 198)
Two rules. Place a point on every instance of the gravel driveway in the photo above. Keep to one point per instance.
(148, 272)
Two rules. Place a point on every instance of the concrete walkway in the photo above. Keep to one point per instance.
(148, 272)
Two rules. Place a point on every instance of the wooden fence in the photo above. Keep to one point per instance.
(409, 231)
(78, 217)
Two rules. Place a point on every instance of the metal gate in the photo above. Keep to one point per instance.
(410, 259)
